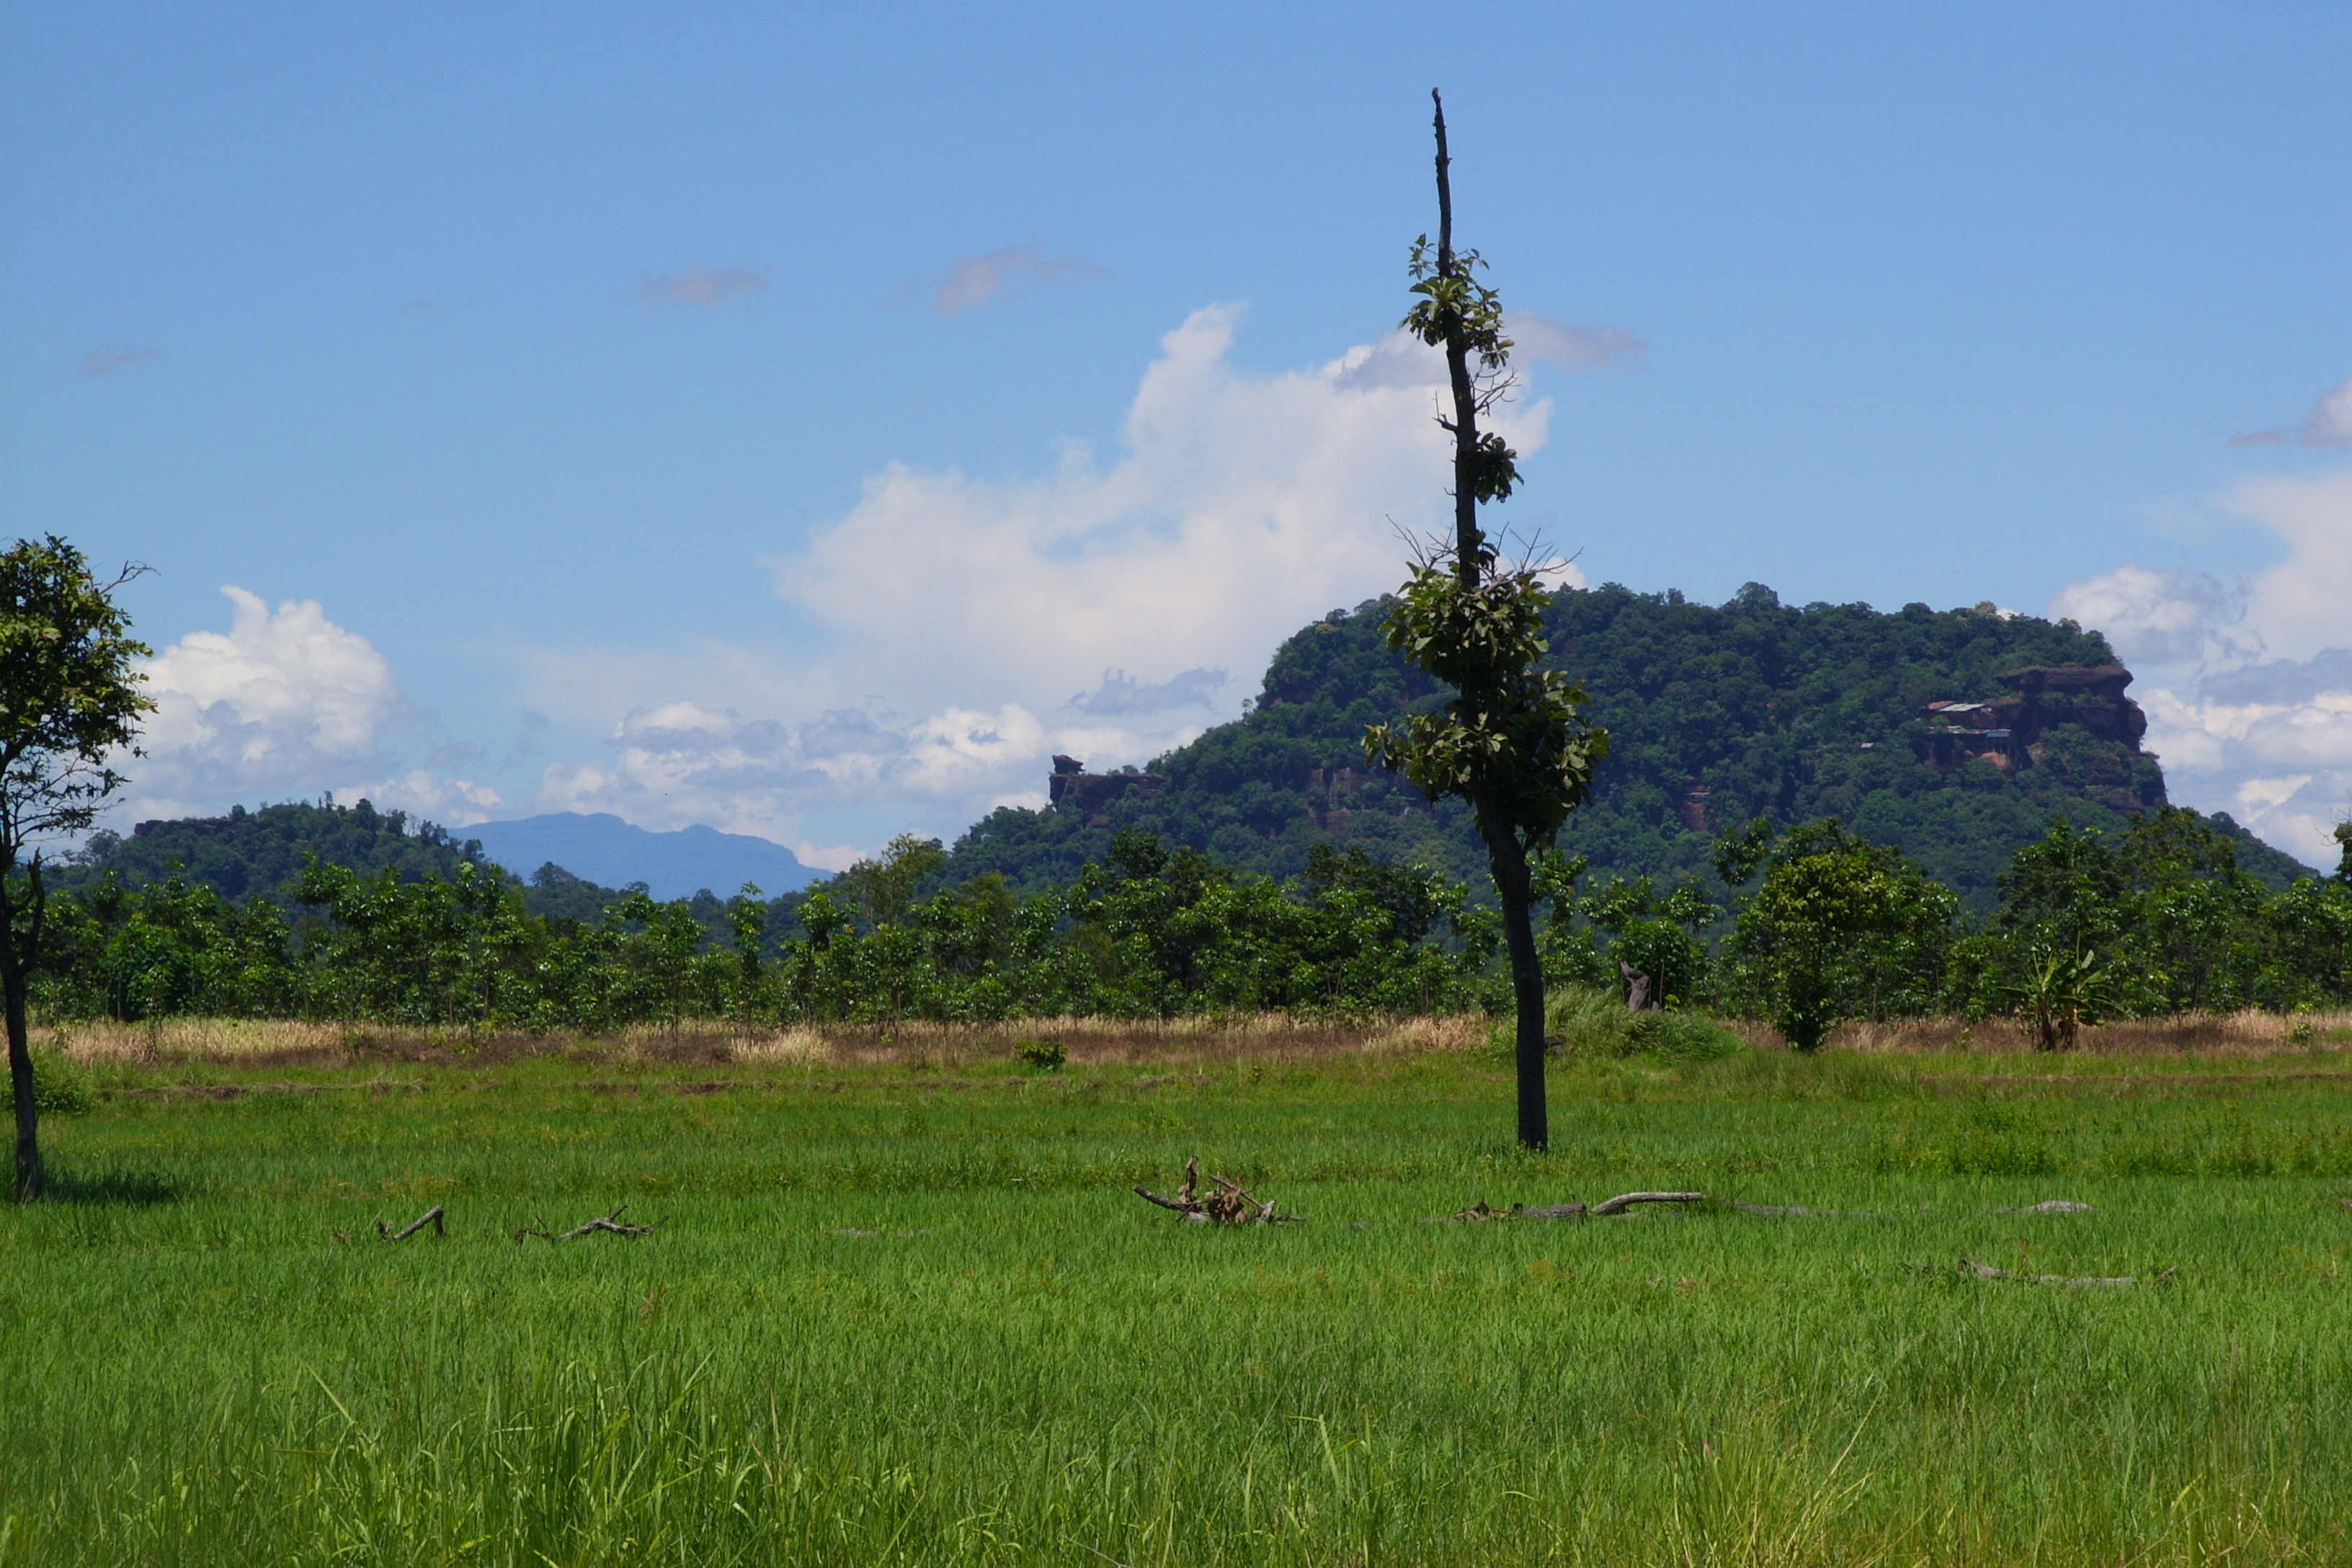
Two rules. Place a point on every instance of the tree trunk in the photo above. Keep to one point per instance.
(20, 1084)
(1508, 862)
(1505, 855)
(1468, 542)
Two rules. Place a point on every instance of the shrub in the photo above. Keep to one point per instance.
(1584, 1022)
(1048, 1055)
(60, 1087)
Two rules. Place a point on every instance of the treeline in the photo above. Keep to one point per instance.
(1149, 932)
(1804, 927)
(1824, 925)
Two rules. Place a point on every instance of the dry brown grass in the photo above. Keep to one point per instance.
(2249, 1034)
(290, 1043)
(1257, 1036)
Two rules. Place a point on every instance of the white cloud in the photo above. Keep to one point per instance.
(683, 762)
(2300, 604)
(2251, 704)
(2159, 617)
(962, 613)
(2328, 427)
(1119, 696)
(1399, 358)
(284, 704)
(106, 359)
(973, 282)
(1241, 508)
(704, 285)
(1540, 340)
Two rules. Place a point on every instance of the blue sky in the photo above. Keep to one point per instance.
(789, 418)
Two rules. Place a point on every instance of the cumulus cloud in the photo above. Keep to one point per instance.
(702, 285)
(1399, 358)
(1240, 507)
(973, 282)
(1120, 695)
(2250, 694)
(685, 762)
(106, 359)
(2328, 427)
(1540, 340)
(956, 614)
(284, 704)
(2299, 605)
(2153, 616)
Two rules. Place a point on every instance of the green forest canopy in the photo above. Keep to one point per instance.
(1791, 713)
(1716, 714)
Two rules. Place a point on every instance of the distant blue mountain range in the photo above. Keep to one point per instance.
(608, 850)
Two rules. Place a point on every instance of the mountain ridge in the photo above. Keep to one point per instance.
(603, 848)
(1955, 734)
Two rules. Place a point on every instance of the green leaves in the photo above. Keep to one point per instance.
(1513, 735)
(1841, 928)
(1453, 307)
(69, 697)
(2059, 991)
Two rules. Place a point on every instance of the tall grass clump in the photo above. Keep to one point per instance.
(1584, 1023)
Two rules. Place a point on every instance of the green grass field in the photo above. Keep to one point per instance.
(906, 1310)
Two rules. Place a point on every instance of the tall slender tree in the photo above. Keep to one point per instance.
(1513, 742)
(69, 702)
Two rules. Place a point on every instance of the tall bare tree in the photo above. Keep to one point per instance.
(69, 701)
(1513, 742)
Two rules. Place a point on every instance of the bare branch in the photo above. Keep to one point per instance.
(431, 1216)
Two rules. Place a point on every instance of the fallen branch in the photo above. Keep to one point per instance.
(1624, 1201)
(431, 1216)
(611, 1221)
(1231, 1204)
(1606, 1208)
(2053, 1205)
(1972, 1270)
(1190, 1211)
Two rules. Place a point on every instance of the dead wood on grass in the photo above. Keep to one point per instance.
(609, 1223)
(1230, 1205)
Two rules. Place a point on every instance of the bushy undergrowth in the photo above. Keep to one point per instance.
(1584, 1023)
(60, 1087)
(1589, 1023)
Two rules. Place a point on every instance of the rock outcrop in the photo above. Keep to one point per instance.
(2008, 731)
(1072, 788)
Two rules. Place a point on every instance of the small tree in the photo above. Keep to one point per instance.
(69, 700)
(2061, 991)
(1512, 742)
(1841, 928)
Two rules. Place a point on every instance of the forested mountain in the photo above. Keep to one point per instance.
(260, 851)
(1954, 734)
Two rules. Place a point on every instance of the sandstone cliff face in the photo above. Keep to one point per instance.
(1072, 788)
(2089, 695)
(2015, 732)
